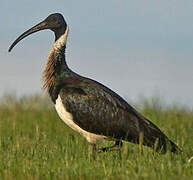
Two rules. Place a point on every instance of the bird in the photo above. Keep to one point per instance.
(89, 107)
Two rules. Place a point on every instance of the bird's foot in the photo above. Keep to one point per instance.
(94, 150)
(116, 147)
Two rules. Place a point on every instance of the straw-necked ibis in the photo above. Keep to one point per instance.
(89, 107)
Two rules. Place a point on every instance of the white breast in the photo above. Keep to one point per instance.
(68, 119)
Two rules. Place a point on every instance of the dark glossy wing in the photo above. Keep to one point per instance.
(97, 109)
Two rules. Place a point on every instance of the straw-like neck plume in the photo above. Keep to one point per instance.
(56, 62)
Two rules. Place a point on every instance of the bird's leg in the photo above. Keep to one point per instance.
(94, 150)
(116, 147)
(93, 147)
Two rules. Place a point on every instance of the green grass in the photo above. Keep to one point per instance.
(35, 144)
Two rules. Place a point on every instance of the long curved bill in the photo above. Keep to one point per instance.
(38, 27)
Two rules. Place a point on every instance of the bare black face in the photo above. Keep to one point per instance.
(54, 22)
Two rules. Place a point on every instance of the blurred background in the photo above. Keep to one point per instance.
(137, 48)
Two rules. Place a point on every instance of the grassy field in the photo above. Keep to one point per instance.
(35, 144)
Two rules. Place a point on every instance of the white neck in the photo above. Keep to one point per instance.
(61, 42)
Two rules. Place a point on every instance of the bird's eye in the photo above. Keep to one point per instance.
(54, 19)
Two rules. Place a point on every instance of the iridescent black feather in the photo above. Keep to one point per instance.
(94, 107)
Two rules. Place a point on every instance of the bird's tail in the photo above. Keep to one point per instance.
(174, 148)
(164, 144)
(156, 139)
(143, 132)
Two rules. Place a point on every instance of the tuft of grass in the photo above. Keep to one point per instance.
(35, 144)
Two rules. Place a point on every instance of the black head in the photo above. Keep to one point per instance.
(54, 22)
